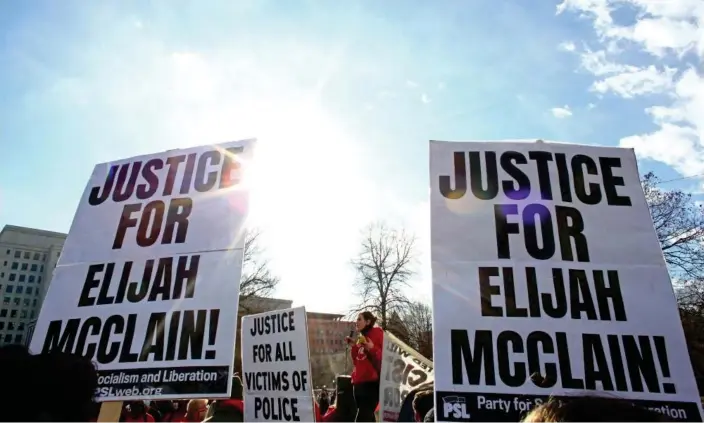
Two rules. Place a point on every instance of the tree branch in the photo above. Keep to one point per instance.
(384, 267)
(257, 279)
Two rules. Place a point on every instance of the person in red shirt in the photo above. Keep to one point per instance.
(136, 411)
(366, 357)
(231, 410)
(173, 411)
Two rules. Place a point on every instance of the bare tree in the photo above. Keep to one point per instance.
(417, 318)
(691, 304)
(384, 267)
(679, 224)
(257, 278)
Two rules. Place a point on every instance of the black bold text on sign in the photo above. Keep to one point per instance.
(554, 210)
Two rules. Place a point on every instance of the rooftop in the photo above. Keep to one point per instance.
(325, 316)
(32, 231)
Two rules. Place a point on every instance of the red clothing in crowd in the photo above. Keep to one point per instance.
(328, 417)
(146, 417)
(364, 369)
(177, 416)
(234, 403)
(316, 409)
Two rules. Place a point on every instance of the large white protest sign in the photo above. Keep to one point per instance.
(402, 370)
(548, 278)
(148, 282)
(276, 366)
(152, 202)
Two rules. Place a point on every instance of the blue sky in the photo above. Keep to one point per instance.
(343, 96)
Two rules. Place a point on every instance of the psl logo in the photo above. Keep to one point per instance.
(455, 407)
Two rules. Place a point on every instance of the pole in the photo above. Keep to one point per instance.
(110, 411)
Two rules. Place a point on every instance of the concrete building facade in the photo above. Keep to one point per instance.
(329, 354)
(327, 332)
(27, 261)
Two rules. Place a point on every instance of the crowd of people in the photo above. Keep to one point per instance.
(197, 410)
(60, 387)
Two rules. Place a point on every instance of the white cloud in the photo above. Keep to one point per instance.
(632, 81)
(424, 98)
(591, 106)
(671, 30)
(411, 84)
(561, 112)
(567, 46)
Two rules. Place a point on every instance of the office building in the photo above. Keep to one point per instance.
(327, 332)
(329, 353)
(27, 260)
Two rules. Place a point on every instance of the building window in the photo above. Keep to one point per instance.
(8, 252)
(15, 265)
(8, 338)
(6, 301)
(18, 339)
(20, 289)
(29, 290)
(10, 325)
(25, 266)
(18, 254)
(36, 256)
(31, 278)
(33, 268)
(20, 326)
(31, 315)
(34, 303)
(43, 257)
(41, 268)
(2, 325)
(3, 312)
(5, 263)
(22, 278)
(2, 274)
(10, 289)
(16, 301)
(26, 255)
(23, 314)
(13, 314)
(39, 278)
(12, 277)
(26, 303)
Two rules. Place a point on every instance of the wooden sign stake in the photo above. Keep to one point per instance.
(110, 411)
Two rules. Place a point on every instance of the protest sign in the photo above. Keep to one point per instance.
(548, 278)
(402, 370)
(147, 285)
(276, 367)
